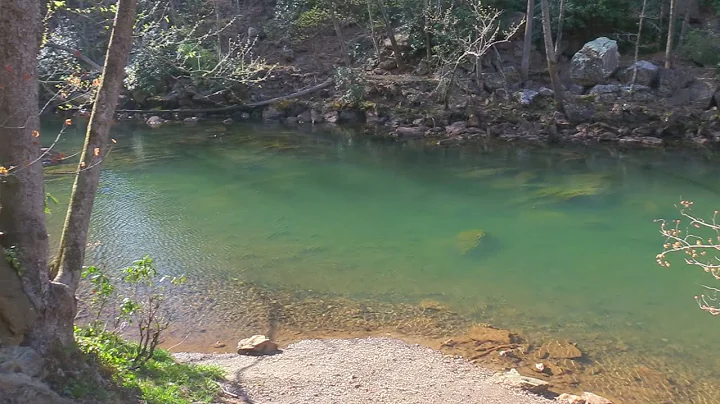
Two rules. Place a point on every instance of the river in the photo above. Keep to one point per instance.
(555, 242)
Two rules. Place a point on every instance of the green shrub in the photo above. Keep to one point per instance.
(702, 46)
(160, 380)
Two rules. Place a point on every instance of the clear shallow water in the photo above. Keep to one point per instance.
(569, 247)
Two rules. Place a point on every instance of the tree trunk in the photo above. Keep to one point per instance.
(671, 35)
(428, 41)
(22, 193)
(372, 30)
(71, 255)
(637, 44)
(339, 34)
(661, 20)
(686, 23)
(551, 59)
(527, 42)
(391, 34)
(561, 20)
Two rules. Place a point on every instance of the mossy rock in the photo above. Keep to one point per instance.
(468, 241)
(479, 173)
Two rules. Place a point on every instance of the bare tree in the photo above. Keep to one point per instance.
(527, 41)
(670, 35)
(71, 255)
(699, 241)
(551, 57)
(391, 34)
(339, 34)
(637, 44)
(471, 44)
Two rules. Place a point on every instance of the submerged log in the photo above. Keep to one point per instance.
(327, 83)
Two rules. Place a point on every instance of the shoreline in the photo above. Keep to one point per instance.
(605, 367)
(359, 370)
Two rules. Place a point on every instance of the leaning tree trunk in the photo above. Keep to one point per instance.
(23, 235)
(670, 35)
(551, 59)
(391, 34)
(527, 42)
(340, 36)
(71, 255)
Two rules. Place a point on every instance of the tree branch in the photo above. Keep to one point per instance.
(96, 68)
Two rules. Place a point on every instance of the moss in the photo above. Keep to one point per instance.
(467, 241)
(477, 173)
(575, 186)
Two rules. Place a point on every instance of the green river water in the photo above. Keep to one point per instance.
(569, 240)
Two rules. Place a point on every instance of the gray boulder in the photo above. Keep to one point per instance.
(272, 114)
(647, 73)
(605, 92)
(493, 81)
(527, 97)
(670, 81)
(595, 62)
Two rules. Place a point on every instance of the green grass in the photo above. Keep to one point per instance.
(159, 381)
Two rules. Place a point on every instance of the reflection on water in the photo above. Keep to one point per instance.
(552, 242)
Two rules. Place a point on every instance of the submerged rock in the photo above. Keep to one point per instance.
(566, 398)
(513, 378)
(256, 345)
(595, 62)
(558, 349)
(467, 241)
(591, 398)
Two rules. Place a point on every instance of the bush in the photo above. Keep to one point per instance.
(702, 46)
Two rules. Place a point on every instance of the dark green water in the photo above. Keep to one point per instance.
(569, 247)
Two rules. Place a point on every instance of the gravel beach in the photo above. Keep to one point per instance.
(367, 370)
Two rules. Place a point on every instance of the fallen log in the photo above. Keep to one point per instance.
(325, 84)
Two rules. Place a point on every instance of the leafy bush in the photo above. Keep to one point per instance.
(160, 380)
(702, 46)
(352, 85)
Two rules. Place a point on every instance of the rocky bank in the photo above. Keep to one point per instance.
(608, 100)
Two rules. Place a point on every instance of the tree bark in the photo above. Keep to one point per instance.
(637, 44)
(391, 34)
(71, 255)
(661, 20)
(527, 42)
(428, 39)
(22, 192)
(340, 36)
(551, 58)
(561, 20)
(671, 35)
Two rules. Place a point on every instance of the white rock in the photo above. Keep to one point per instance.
(514, 379)
(591, 398)
(256, 345)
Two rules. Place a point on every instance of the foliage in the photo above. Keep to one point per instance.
(142, 305)
(702, 46)
(351, 83)
(159, 381)
(698, 240)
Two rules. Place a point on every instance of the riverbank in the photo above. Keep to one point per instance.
(351, 371)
